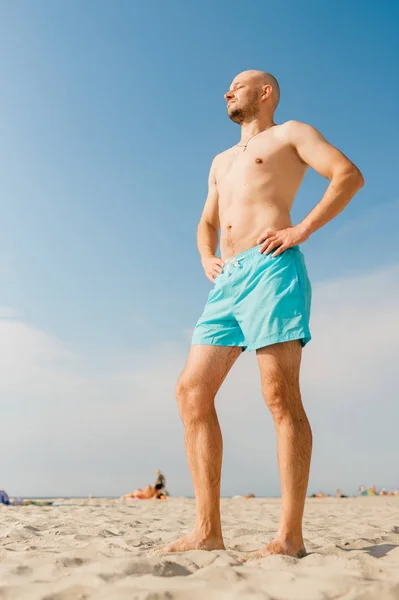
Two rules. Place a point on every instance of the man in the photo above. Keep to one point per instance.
(260, 300)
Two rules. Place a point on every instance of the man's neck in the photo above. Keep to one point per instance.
(256, 125)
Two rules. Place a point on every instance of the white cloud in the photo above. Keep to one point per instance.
(69, 428)
(7, 312)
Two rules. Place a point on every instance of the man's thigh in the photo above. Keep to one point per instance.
(207, 366)
(279, 366)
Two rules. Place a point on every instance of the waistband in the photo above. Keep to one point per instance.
(251, 252)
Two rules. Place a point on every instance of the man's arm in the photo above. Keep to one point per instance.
(208, 227)
(345, 177)
(345, 180)
(208, 230)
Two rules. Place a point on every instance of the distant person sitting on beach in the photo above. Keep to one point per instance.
(150, 491)
(160, 485)
(4, 499)
(372, 491)
(339, 494)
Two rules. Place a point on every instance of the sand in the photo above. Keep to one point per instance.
(100, 549)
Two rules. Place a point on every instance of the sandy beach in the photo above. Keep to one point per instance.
(101, 549)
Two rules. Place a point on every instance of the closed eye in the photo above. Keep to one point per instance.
(237, 87)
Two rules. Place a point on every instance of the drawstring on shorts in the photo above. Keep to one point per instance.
(232, 263)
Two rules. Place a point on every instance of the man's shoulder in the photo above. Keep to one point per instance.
(294, 130)
(292, 123)
(219, 158)
(291, 126)
(223, 154)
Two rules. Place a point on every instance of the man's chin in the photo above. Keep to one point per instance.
(235, 115)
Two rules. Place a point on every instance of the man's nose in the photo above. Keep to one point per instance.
(228, 95)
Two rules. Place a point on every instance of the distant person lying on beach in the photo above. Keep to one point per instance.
(245, 496)
(139, 494)
(4, 499)
(150, 491)
(385, 492)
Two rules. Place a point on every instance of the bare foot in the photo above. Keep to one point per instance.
(193, 541)
(279, 547)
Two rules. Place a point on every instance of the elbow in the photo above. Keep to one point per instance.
(352, 176)
(355, 177)
(358, 178)
(208, 224)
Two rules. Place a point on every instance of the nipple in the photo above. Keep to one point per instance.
(258, 160)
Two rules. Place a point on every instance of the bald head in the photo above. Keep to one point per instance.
(267, 79)
(251, 92)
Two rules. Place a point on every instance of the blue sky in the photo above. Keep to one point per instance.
(110, 115)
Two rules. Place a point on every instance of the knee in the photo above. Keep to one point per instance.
(277, 402)
(193, 400)
(283, 403)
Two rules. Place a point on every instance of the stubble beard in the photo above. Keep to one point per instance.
(236, 115)
(240, 115)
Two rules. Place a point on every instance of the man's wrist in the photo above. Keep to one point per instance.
(304, 229)
(205, 255)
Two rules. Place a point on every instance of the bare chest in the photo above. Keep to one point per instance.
(260, 163)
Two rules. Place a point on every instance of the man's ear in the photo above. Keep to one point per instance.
(266, 91)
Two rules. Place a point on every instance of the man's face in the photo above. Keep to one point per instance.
(243, 98)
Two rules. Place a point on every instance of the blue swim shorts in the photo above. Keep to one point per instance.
(257, 301)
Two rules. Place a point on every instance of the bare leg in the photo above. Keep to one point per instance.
(279, 367)
(205, 371)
